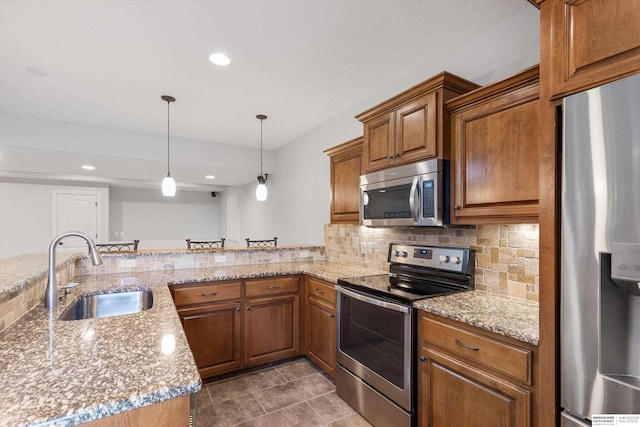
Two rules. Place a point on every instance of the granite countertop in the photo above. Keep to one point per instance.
(512, 317)
(18, 271)
(76, 371)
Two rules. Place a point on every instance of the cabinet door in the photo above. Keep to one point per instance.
(495, 150)
(592, 42)
(379, 146)
(271, 329)
(346, 168)
(321, 333)
(214, 336)
(452, 393)
(416, 131)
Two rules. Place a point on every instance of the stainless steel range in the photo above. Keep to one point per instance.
(377, 331)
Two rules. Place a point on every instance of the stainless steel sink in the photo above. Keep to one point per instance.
(105, 305)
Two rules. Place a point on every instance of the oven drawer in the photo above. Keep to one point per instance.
(507, 359)
(271, 286)
(321, 289)
(209, 292)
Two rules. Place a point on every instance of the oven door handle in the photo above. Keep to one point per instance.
(373, 301)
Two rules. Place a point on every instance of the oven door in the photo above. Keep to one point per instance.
(375, 342)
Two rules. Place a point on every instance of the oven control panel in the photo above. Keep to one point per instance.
(440, 257)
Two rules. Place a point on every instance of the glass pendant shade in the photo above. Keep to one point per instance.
(261, 192)
(168, 186)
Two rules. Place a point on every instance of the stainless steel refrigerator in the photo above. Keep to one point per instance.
(600, 293)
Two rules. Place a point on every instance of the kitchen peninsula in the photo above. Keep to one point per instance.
(78, 371)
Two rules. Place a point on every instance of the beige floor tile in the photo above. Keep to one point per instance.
(300, 415)
(297, 369)
(330, 407)
(230, 412)
(293, 392)
(203, 398)
(355, 420)
(244, 384)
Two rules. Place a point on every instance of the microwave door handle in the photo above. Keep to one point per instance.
(414, 198)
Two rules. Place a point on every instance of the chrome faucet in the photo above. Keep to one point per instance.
(51, 293)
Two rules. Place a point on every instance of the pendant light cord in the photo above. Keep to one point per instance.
(168, 121)
(261, 120)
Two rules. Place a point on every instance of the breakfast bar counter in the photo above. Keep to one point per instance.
(65, 373)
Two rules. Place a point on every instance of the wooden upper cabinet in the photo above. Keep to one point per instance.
(495, 143)
(592, 42)
(346, 168)
(411, 126)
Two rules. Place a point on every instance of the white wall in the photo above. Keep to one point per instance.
(301, 199)
(253, 220)
(162, 222)
(26, 216)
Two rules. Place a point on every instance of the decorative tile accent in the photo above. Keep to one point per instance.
(506, 255)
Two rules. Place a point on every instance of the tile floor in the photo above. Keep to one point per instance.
(291, 394)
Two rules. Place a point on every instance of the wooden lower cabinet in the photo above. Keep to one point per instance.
(271, 329)
(215, 336)
(456, 394)
(469, 378)
(237, 324)
(170, 413)
(320, 324)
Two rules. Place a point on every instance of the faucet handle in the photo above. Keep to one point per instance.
(68, 288)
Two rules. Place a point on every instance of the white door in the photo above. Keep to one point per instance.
(76, 212)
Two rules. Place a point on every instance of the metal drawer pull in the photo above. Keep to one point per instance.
(423, 359)
(332, 315)
(212, 294)
(273, 287)
(320, 291)
(467, 346)
(237, 308)
(248, 308)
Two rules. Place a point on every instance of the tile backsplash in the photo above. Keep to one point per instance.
(506, 255)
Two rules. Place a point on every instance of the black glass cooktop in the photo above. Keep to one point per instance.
(396, 288)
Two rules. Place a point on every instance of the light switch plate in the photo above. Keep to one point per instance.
(127, 263)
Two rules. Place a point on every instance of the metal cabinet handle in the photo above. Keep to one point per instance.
(389, 157)
(332, 315)
(466, 346)
(423, 359)
(248, 308)
(273, 287)
(395, 156)
(456, 208)
(237, 308)
(320, 291)
(212, 294)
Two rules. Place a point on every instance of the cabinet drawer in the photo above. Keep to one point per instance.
(321, 289)
(211, 292)
(271, 286)
(501, 357)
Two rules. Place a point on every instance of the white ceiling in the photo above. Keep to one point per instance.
(300, 62)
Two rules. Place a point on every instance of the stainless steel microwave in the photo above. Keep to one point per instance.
(406, 196)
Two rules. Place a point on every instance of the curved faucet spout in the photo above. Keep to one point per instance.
(51, 293)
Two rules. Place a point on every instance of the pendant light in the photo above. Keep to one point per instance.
(261, 189)
(168, 183)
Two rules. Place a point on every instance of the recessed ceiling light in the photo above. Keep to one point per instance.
(220, 59)
(210, 177)
(36, 72)
(88, 167)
